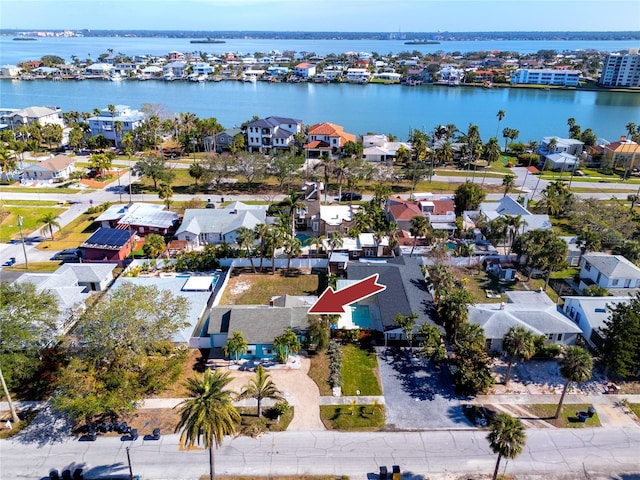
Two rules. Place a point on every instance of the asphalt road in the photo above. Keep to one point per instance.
(564, 453)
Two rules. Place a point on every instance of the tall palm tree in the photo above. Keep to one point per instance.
(8, 162)
(261, 232)
(631, 129)
(290, 205)
(236, 346)
(117, 131)
(246, 239)
(508, 182)
(518, 343)
(501, 114)
(335, 241)
(292, 247)
(260, 387)
(49, 221)
(112, 112)
(575, 366)
(420, 228)
(209, 414)
(506, 437)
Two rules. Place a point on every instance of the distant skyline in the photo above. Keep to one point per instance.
(323, 16)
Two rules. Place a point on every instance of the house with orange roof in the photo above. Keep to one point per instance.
(326, 138)
(304, 70)
(622, 154)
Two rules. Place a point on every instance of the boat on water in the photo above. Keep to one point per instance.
(422, 42)
(114, 77)
(207, 40)
(24, 39)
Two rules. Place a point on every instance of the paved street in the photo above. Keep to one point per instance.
(575, 454)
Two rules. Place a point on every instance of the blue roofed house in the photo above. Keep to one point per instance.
(203, 226)
(104, 123)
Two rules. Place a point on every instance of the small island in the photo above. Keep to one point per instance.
(24, 39)
(208, 40)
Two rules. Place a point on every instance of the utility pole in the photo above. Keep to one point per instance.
(129, 462)
(119, 186)
(14, 415)
(24, 249)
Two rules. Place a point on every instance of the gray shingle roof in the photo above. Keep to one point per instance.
(406, 291)
(89, 272)
(258, 323)
(613, 266)
(206, 220)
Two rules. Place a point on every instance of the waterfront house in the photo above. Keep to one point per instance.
(52, 170)
(267, 134)
(326, 138)
(10, 71)
(562, 145)
(358, 75)
(222, 141)
(143, 218)
(560, 162)
(305, 70)
(104, 123)
(152, 71)
(378, 148)
(201, 68)
(545, 76)
(174, 70)
(30, 115)
(203, 226)
(613, 272)
(108, 245)
(622, 154)
(533, 310)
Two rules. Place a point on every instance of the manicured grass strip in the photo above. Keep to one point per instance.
(567, 418)
(352, 418)
(635, 408)
(44, 190)
(30, 221)
(72, 234)
(40, 267)
(358, 371)
(35, 203)
(319, 373)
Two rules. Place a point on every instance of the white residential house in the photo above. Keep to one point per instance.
(378, 148)
(570, 146)
(546, 76)
(533, 310)
(105, 123)
(267, 134)
(52, 170)
(305, 70)
(561, 162)
(613, 272)
(203, 226)
(30, 115)
(507, 206)
(98, 69)
(10, 70)
(357, 75)
(201, 68)
(590, 313)
(174, 70)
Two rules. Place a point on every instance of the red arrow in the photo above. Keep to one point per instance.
(333, 302)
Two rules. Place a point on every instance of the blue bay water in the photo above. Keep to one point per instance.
(359, 108)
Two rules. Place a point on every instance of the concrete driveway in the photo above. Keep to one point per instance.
(417, 394)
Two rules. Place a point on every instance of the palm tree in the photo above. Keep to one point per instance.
(117, 131)
(286, 344)
(165, 192)
(518, 343)
(506, 134)
(292, 247)
(261, 232)
(290, 205)
(575, 366)
(508, 182)
(420, 228)
(501, 114)
(246, 239)
(209, 414)
(631, 129)
(49, 221)
(236, 346)
(260, 387)
(506, 438)
(335, 241)
(112, 112)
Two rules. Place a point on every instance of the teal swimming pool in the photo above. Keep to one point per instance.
(360, 316)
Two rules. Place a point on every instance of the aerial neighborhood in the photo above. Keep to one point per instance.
(370, 282)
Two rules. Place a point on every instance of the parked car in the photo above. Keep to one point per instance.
(69, 255)
(350, 196)
(9, 262)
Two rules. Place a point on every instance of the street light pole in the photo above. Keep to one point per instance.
(119, 187)
(24, 249)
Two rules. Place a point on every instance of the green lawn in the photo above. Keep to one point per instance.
(44, 190)
(73, 234)
(635, 408)
(30, 220)
(358, 371)
(40, 267)
(35, 203)
(319, 372)
(258, 289)
(352, 418)
(567, 418)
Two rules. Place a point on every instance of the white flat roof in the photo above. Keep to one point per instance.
(198, 284)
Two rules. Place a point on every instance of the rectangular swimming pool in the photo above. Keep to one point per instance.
(360, 316)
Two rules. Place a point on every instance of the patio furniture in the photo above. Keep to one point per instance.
(383, 472)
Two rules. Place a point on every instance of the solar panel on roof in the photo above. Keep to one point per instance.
(110, 236)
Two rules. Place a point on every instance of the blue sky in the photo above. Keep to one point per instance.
(324, 15)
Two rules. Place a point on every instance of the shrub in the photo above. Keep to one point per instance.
(280, 408)
(595, 291)
(335, 364)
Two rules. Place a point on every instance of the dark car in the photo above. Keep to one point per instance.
(69, 255)
(350, 196)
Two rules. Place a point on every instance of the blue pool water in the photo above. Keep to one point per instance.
(360, 316)
(451, 245)
(304, 239)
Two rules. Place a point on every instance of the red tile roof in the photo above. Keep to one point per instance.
(442, 207)
(332, 130)
(403, 211)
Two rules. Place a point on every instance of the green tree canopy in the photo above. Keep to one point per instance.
(468, 196)
(155, 167)
(575, 366)
(621, 333)
(236, 346)
(285, 345)
(154, 245)
(506, 437)
(519, 343)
